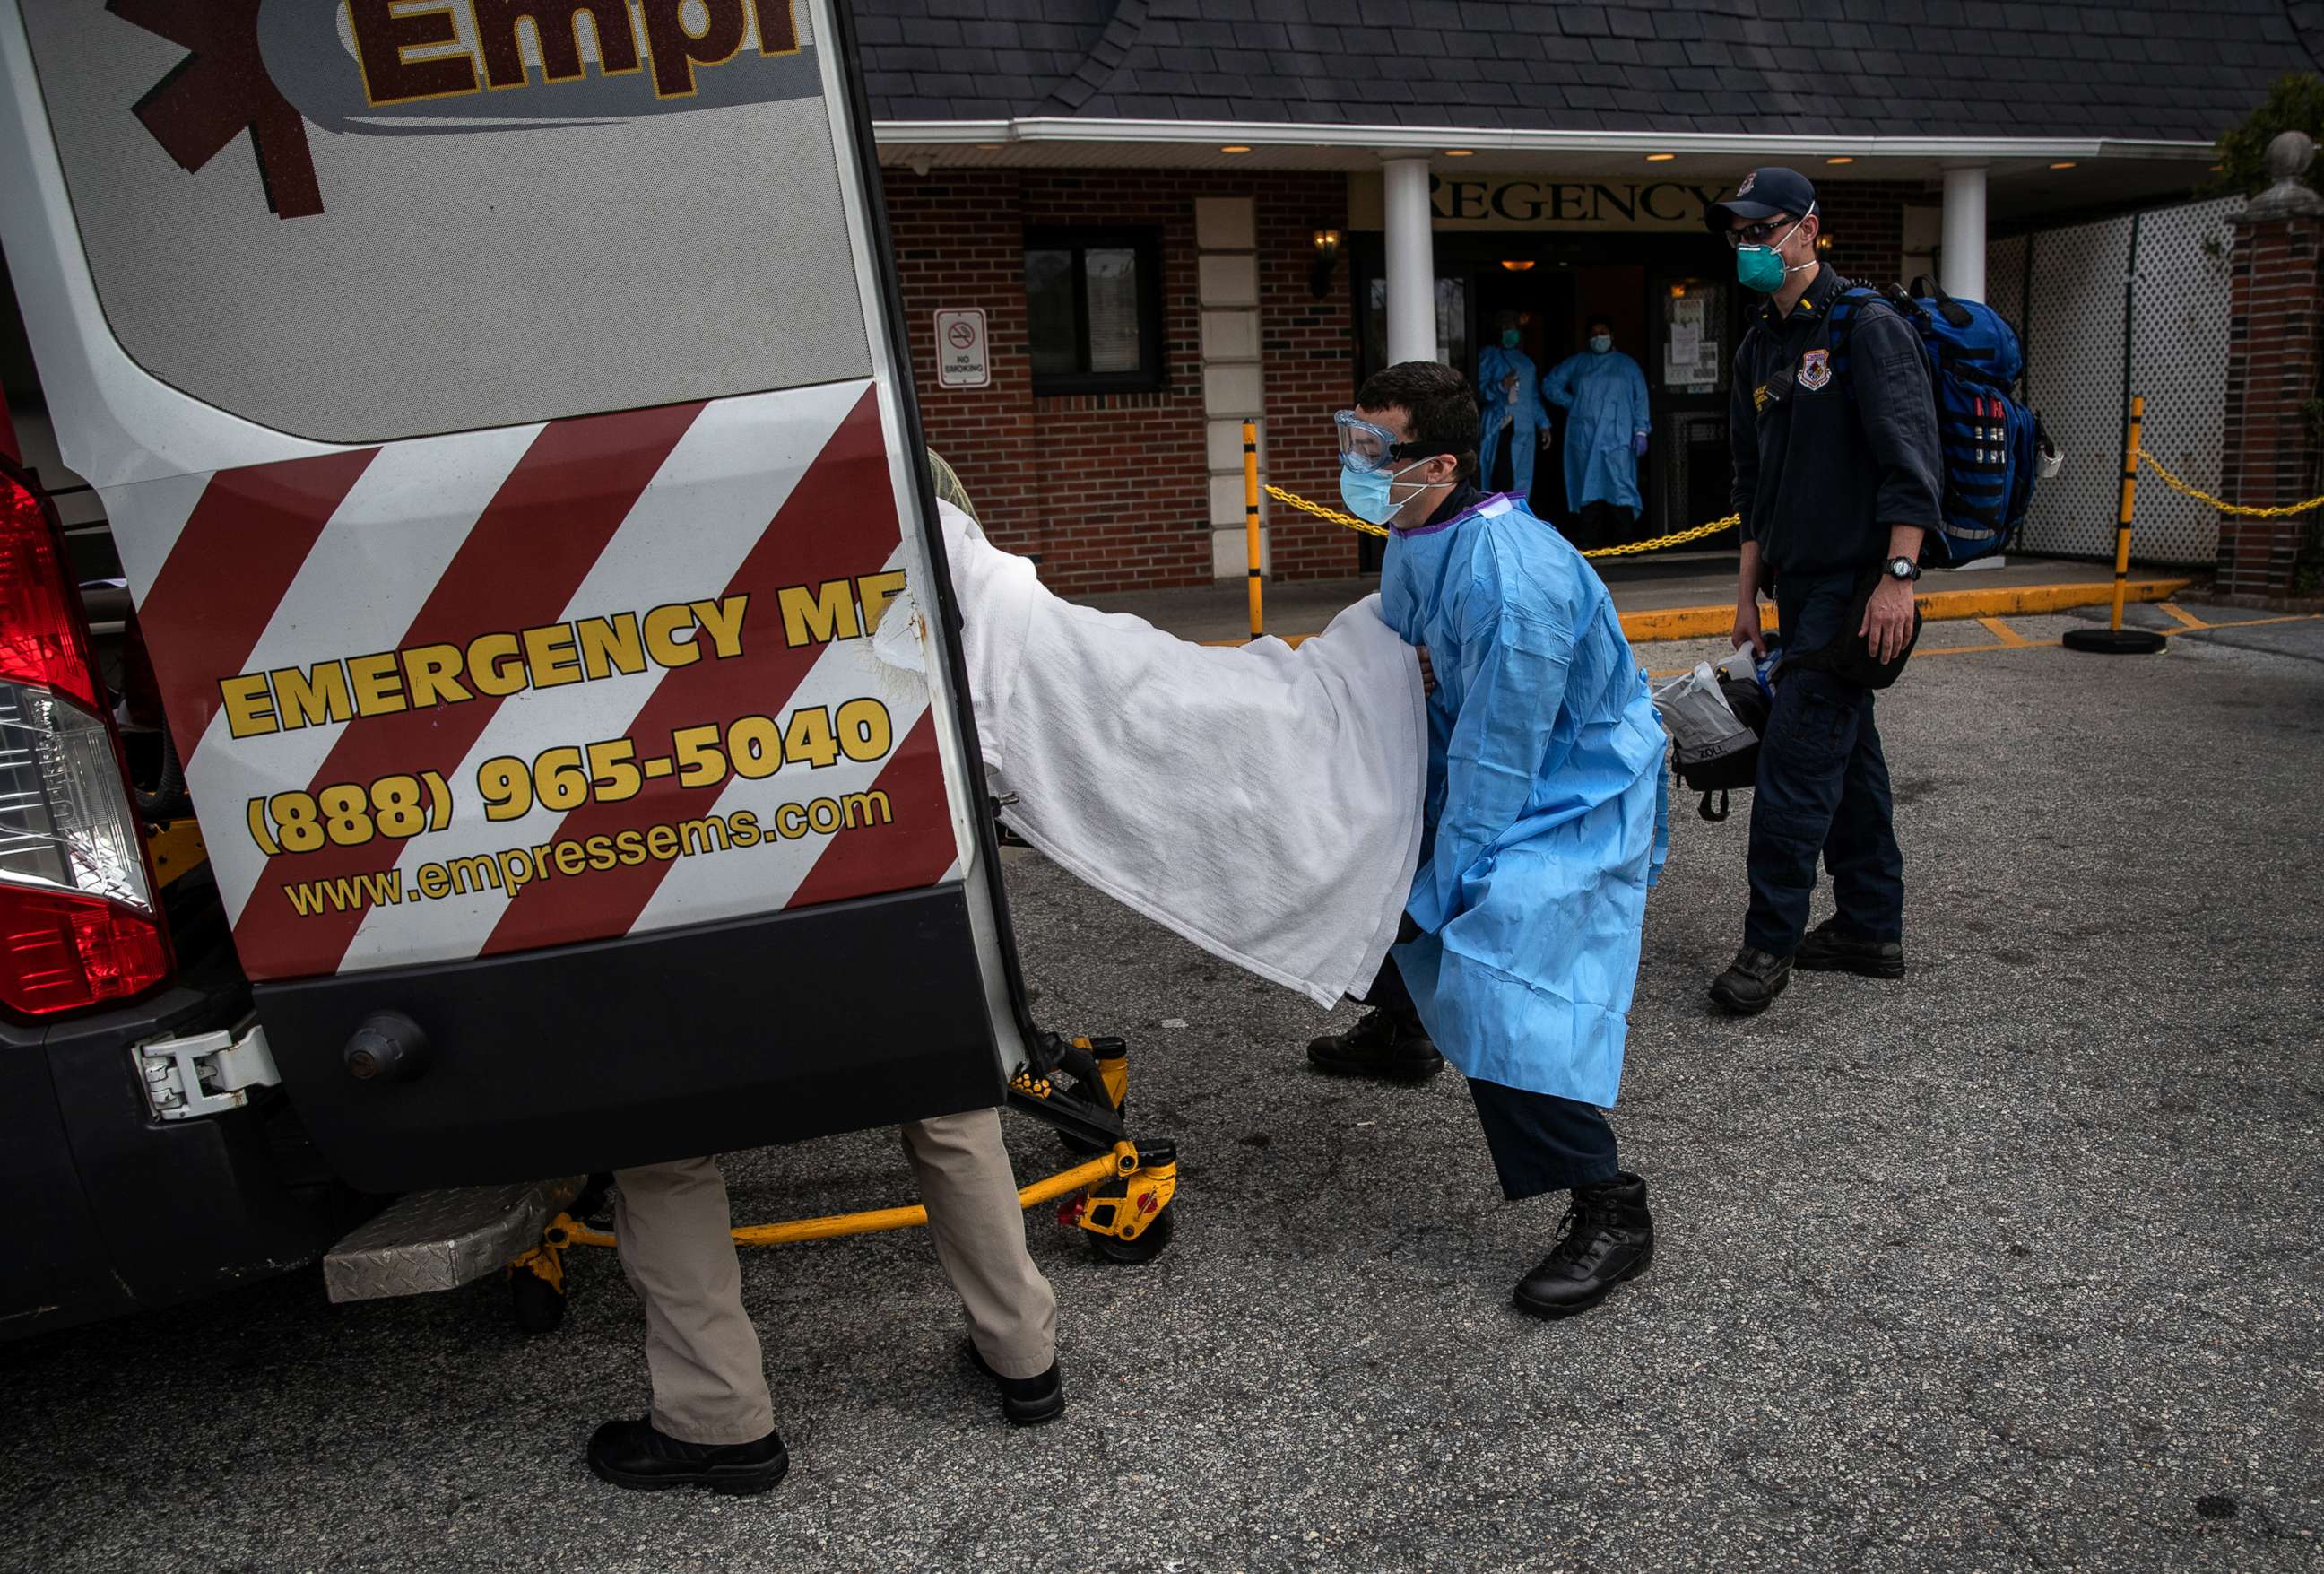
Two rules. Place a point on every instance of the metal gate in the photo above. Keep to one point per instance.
(2064, 289)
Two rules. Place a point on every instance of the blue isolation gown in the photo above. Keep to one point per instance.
(1547, 812)
(1606, 396)
(1523, 435)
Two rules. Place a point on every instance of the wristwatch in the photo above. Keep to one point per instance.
(1903, 568)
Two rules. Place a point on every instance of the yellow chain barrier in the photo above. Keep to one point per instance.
(2199, 496)
(1369, 528)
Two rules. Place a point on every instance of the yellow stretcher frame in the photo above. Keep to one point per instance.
(1120, 1198)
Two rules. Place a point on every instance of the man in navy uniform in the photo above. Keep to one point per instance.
(1837, 478)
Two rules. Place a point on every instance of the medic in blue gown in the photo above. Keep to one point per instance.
(1606, 430)
(1545, 821)
(1506, 388)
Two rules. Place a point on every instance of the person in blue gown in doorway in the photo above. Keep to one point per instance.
(1604, 394)
(1508, 394)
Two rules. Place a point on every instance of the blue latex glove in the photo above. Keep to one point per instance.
(1638, 445)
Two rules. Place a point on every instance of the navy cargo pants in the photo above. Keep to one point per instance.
(1823, 789)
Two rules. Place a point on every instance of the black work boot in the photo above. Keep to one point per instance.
(633, 1454)
(1608, 1238)
(1381, 1045)
(1751, 982)
(1024, 1401)
(1829, 949)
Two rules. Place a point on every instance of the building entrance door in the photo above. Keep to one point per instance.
(1695, 325)
(1667, 311)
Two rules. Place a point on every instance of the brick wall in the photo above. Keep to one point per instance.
(1866, 221)
(2275, 341)
(1110, 491)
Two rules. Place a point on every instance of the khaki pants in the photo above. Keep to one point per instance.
(709, 1379)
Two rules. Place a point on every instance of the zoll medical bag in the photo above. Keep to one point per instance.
(1714, 719)
(507, 431)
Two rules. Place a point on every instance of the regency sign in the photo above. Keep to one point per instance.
(1545, 202)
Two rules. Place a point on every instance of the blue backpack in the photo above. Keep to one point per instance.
(1991, 441)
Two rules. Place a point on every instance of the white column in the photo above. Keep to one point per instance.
(1962, 262)
(1411, 261)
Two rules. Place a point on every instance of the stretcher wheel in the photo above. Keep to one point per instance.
(1148, 1245)
(539, 1305)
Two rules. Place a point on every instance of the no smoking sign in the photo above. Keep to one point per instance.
(961, 358)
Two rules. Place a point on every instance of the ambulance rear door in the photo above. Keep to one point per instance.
(507, 430)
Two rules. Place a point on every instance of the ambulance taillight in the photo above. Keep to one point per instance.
(79, 922)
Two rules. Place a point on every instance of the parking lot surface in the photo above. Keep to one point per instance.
(2013, 1265)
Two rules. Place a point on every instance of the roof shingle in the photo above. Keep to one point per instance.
(2168, 69)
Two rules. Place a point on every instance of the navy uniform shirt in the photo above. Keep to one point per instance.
(1820, 475)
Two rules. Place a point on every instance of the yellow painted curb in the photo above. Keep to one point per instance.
(1680, 622)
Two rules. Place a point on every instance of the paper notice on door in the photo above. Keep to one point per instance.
(1689, 353)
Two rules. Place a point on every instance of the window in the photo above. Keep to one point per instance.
(1094, 309)
(1452, 321)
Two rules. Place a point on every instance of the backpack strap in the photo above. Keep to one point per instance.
(1839, 322)
(1950, 309)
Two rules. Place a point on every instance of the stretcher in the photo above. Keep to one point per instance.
(1120, 1198)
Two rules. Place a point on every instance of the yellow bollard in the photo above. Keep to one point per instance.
(2115, 640)
(2129, 500)
(1250, 519)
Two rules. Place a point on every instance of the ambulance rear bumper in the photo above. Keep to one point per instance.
(645, 1048)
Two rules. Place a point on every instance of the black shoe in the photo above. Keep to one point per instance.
(1379, 1046)
(1751, 982)
(631, 1453)
(1024, 1401)
(1829, 949)
(1607, 1238)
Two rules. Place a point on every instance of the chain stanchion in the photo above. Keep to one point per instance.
(2115, 640)
(1676, 538)
(2281, 511)
(1251, 521)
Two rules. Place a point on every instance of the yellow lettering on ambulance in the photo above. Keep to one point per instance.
(496, 665)
(662, 626)
(875, 591)
(304, 701)
(249, 708)
(721, 620)
(432, 675)
(375, 679)
(550, 653)
(818, 616)
(610, 645)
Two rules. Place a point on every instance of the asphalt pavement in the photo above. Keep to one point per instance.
(2012, 1265)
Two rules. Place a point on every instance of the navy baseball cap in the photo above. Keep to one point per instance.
(1762, 194)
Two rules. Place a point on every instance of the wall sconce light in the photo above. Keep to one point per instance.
(1824, 244)
(1327, 258)
(1518, 264)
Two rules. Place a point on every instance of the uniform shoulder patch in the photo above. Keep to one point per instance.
(1815, 370)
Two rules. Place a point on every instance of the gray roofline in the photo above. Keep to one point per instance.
(1393, 141)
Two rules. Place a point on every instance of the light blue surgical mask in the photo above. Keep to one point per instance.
(1511, 339)
(1371, 494)
(1599, 343)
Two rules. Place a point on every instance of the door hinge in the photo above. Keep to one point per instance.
(208, 1073)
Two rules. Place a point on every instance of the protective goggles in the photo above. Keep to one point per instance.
(1365, 448)
(1754, 234)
